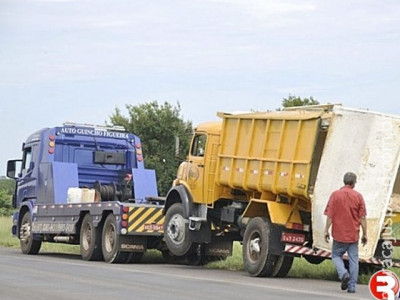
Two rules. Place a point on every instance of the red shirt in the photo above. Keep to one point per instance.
(345, 207)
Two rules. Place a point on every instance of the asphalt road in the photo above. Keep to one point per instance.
(61, 276)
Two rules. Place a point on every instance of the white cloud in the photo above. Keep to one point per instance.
(52, 1)
(272, 13)
(102, 23)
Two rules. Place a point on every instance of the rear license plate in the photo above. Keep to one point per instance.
(294, 238)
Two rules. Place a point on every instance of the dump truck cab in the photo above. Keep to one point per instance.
(201, 160)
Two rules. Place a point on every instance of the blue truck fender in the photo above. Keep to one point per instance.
(17, 216)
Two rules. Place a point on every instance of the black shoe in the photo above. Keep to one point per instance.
(345, 282)
(351, 291)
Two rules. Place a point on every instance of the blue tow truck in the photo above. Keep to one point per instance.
(86, 185)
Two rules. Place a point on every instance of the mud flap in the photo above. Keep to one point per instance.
(132, 243)
(203, 235)
(219, 247)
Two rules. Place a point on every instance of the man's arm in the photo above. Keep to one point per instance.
(363, 222)
(327, 226)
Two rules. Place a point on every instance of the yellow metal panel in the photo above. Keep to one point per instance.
(276, 115)
(268, 152)
(279, 213)
(256, 208)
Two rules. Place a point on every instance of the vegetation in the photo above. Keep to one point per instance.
(292, 101)
(158, 126)
(7, 187)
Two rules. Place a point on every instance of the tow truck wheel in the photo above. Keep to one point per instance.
(176, 231)
(27, 242)
(90, 240)
(282, 265)
(110, 242)
(257, 260)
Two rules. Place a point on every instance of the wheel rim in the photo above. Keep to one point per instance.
(176, 229)
(25, 233)
(109, 241)
(87, 237)
(254, 247)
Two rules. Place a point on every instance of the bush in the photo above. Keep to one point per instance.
(8, 185)
(6, 208)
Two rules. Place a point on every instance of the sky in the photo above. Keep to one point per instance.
(78, 60)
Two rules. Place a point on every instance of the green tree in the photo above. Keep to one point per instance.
(158, 126)
(6, 208)
(292, 101)
(8, 185)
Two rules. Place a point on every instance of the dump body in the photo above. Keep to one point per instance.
(268, 176)
(305, 153)
(269, 152)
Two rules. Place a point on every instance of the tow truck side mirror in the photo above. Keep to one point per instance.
(12, 167)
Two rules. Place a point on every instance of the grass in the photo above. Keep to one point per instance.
(300, 269)
(6, 238)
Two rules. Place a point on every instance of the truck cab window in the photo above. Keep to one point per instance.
(26, 161)
(199, 145)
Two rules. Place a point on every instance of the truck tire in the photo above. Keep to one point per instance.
(90, 240)
(257, 260)
(282, 266)
(110, 242)
(176, 231)
(27, 242)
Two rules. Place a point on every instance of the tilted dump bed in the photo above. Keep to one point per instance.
(368, 144)
(304, 153)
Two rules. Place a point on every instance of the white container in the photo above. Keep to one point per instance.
(74, 195)
(88, 195)
(79, 195)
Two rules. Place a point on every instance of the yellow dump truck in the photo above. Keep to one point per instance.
(264, 179)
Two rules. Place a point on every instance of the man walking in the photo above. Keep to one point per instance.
(346, 211)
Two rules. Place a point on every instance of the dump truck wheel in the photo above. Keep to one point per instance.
(176, 231)
(282, 265)
(257, 260)
(27, 242)
(90, 240)
(110, 242)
